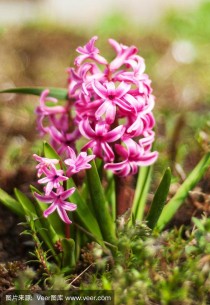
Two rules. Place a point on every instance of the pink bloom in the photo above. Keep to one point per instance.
(89, 51)
(57, 200)
(46, 110)
(43, 110)
(100, 137)
(140, 123)
(83, 75)
(111, 97)
(53, 178)
(61, 139)
(123, 53)
(77, 163)
(133, 156)
(44, 163)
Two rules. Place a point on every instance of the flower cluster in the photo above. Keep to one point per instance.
(55, 181)
(110, 104)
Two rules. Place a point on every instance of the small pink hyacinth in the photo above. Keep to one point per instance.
(53, 178)
(57, 200)
(123, 54)
(100, 137)
(44, 163)
(89, 51)
(77, 163)
(111, 97)
(42, 109)
(133, 156)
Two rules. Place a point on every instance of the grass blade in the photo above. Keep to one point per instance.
(159, 200)
(59, 93)
(176, 201)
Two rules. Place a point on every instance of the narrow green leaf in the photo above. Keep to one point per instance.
(58, 93)
(176, 201)
(11, 203)
(49, 152)
(35, 214)
(142, 188)
(68, 261)
(26, 203)
(159, 199)
(100, 206)
(84, 214)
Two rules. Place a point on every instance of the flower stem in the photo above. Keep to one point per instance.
(124, 194)
(67, 231)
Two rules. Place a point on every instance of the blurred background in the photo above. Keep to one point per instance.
(38, 39)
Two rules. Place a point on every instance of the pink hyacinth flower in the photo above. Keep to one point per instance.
(53, 178)
(111, 97)
(89, 51)
(100, 137)
(77, 163)
(123, 53)
(43, 163)
(57, 200)
(43, 110)
(133, 156)
(60, 139)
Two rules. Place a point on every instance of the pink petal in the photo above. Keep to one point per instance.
(63, 215)
(69, 206)
(68, 193)
(115, 134)
(43, 198)
(86, 130)
(122, 89)
(108, 152)
(50, 210)
(99, 89)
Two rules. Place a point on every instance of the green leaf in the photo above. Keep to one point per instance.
(99, 204)
(11, 203)
(176, 201)
(35, 214)
(142, 188)
(159, 200)
(84, 214)
(58, 93)
(26, 203)
(68, 261)
(49, 152)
